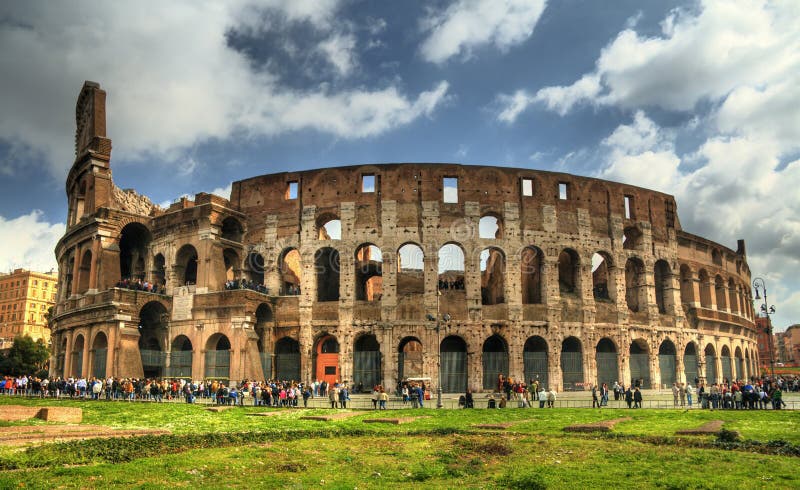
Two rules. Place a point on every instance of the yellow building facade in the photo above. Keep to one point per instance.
(25, 297)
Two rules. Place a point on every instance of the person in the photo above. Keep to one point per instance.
(468, 400)
(689, 393)
(616, 390)
(344, 395)
(675, 394)
(375, 395)
(629, 397)
(414, 397)
(595, 399)
(551, 398)
(405, 394)
(542, 396)
(383, 398)
(604, 395)
(420, 396)
(333, 396)
(502, 403)
(682, 394)
(637, 398)
(491, 403)
(306, 395)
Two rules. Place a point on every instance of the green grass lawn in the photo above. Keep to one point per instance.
(441, 450)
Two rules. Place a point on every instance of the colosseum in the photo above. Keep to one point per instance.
(377, 273)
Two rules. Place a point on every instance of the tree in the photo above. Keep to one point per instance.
(26, 356)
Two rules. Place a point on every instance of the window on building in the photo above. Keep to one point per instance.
(367, 183)
(628, 207)
(291, 190)
(563, 189)
(527, 187)
(450, 190)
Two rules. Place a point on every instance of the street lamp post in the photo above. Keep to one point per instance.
(439, 319)
(767, 309)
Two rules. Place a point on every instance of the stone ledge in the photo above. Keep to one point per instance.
(602, 426)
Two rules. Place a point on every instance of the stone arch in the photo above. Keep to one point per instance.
(639, 354)
(733, 297)
(490, 226)
(691, 368)
(84, 272)
(180, 357)
(711, 364)
(687, 285)
(410, 269)
(153, 325)
(186, 261)
(738, 364)
(453, 352)
(99, 355)
(705, 289)
(493, 273)
(716, 257)
(532, 271)
(159, 274)
(254, 268)
(329, 227)
(326, 262)
(290, 270)
(231, 260)
(607, 359)
(535, 360)
(602, 277)
(719, 289)
(727, 365)
(232, 230)
(635, 285)
(568, 271)
(409, 359)
(326, 359)
(367, 361)
(287, 359)
(668, 363)
(632, 238)
(134, 243)
(572, 364)
(369, 273)
(218, 357)
(662, 275)
(77, 356)
(451, 267)
(495, 361)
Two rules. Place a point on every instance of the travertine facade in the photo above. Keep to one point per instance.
(363, 273)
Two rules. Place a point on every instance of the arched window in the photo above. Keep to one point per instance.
(568, 271)
(369, 273)
(290, 272)
(493, 273)
(705, 289)
(602, 282)
(632, 238)
(84, 273)
(663, 283)
(327, 265)
(635, 285)
(687, 285)
(451, 268)
(490, 227)
(330, 228)
(134, 242)
(719, 289)
(186, 265)
(532, 264)
(410, 272)
(232, 230)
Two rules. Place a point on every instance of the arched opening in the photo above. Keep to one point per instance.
(607, 362)
(327, 359)
(640, 364)
(134, 241)
(180, 357)
(60, 358)
(186, 265)
(367, 362)
(410, 272)
(667, 363)
(409, 359)
(632, 238)
(532, 264)
(330, 228)
(290, 272)
(232, 230)
(451, 269)
(453, 351)
(77, 357)
(727, 365)
(690, 367)
(493, 274)
(663, 283)
(572, 364)
(84, 273)
(733, 298)
(159, 271)
(287, 359)
(326, 261)
(535, 359)
(602, 282)
(490, 227)
(99, 355)
(739, 364)
(687, 285)
(719, 290)
(711, 364)
(254, 268)
(264, 322)
(716, 257)
(231, 261)
(705, 289)
(218, 357)
(495, 361)
(568, 271)
(635, 285)
(153, 319)
(369, 273)
(68, 279)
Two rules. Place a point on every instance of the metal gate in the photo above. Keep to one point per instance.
(640, 370)
(77, 364)
(180, 364)
(153, 358)
(454, 372)
(726, 368)
(711, 370)
(607, 368)
(287, 366)
(690, 368)
(218, 363)
(99, 364)
(666, 363)
(494, 363)
(572, 370)
(266, 364)
(536, 367)
(740, 374)
(367, 368)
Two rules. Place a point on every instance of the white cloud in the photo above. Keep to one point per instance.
(29, 242)
(469, 24)
(172, 85)
(223, 191)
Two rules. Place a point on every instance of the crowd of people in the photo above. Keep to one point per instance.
(137, 284)
(457, 284)
(246, 284)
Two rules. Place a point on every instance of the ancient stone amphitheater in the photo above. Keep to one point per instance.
(378, 273)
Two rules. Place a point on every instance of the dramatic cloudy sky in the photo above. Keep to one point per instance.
(700, 99)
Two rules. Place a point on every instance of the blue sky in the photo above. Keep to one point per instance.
(697, 99)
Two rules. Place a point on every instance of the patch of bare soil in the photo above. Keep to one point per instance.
(15, 436)
(602, 426)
